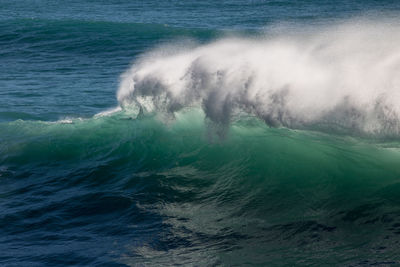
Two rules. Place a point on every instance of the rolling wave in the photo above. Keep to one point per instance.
(166, 190)
(150, 182)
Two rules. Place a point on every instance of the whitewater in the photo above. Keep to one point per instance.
(341, 77)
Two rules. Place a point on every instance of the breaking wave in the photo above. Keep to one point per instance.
(343, 78)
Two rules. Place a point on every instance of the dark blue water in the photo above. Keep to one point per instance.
(216, 153)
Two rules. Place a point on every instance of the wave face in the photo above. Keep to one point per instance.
(139, 191)
(343, 77)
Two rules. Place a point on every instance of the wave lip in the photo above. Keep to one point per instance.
(344, 76)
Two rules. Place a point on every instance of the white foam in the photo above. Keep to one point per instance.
(108, 112)
(345, 75)
(65, 121)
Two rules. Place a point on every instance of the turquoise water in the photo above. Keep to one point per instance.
(199, 133)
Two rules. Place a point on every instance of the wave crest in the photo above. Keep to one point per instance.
(343, 76)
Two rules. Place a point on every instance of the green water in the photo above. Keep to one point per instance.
(257, 193)
(199, 133)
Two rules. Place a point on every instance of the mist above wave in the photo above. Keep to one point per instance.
(345, 75)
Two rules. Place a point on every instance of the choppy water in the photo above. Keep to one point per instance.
(199, 133)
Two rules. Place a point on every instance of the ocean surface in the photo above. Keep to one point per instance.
(200, 133)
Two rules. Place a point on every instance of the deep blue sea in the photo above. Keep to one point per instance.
(200, 133)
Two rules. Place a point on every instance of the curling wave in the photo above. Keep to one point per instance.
(344, 77)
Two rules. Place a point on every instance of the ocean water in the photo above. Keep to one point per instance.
(199, 133)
